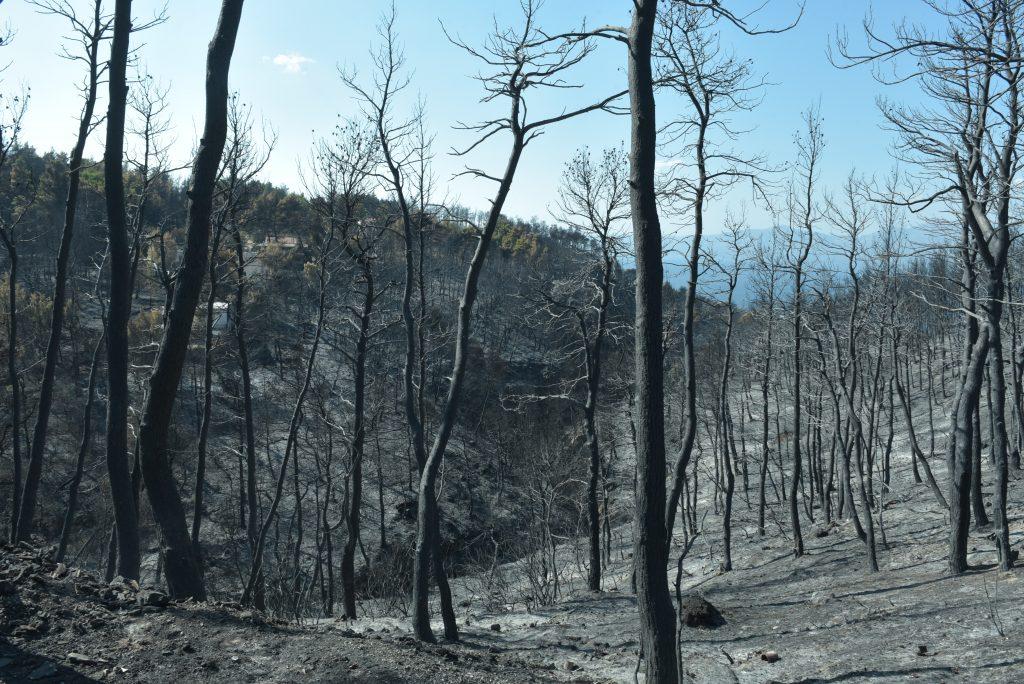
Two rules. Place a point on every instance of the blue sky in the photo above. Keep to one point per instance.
(288, 52)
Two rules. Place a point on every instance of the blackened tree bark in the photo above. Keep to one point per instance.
(810, 147)
(594, 350)
(767, 257)
(738, 245)
(520, 61)
(362, 317)
(119, 306)
(651, 540)
(252, 527)
(91, 37)
(11, 244)
(404, 145)
(181, 566)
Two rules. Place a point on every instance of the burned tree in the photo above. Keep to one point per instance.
(342, 171)
(119, 305)
(966, 148)
(520, 60)
(90, 32)
(181, 566)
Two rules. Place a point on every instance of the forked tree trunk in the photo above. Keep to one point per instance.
(181, 565)
(427, 520)
(961, 453)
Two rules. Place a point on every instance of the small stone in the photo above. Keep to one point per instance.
(152, 598)
(496, 627)
(28, 631)
(82, 659)
(770, 657)
(571, 666)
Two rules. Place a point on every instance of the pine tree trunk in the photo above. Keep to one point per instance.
(119, 306)
(181, 566)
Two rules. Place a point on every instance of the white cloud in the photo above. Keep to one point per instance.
(291, 62)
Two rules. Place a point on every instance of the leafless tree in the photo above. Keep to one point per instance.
(738, 245)
(12, 115)
(244, 158)
(89, 32)
(341, 177)
(119, 305)
(966, 149)
(715, 86)
(403, 150)
(593, 200)
(520, 60)
(181, 567)
(768, 263)
(799, 239)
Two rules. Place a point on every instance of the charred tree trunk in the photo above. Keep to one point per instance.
(181, 566)
(119, 306)
(961, 453)
(45, 404)
(241, 338)
(13, 381)
(427, 522)
(355, 474)
(650, 551)
(593, 362)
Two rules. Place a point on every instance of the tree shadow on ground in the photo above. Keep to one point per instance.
(18, 664)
